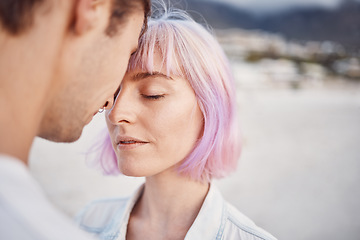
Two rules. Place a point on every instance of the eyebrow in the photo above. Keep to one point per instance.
(143, 75)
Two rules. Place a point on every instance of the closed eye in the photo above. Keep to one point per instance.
(153, 97)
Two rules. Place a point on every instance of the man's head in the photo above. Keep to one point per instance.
(17, 16)
(94, 54)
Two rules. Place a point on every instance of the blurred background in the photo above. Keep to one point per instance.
(297, 70)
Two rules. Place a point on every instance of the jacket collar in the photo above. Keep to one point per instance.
(209, 224)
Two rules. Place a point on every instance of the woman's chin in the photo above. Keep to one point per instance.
(132, 172)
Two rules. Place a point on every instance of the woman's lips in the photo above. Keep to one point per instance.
(124, 143)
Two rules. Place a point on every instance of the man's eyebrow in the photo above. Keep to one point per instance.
(143, 75)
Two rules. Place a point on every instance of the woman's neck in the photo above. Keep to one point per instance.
(169, 205)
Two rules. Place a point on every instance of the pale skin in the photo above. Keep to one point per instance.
(154, 124)
(51, 85)
(167, 209)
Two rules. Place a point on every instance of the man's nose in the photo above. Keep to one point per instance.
(109, 103)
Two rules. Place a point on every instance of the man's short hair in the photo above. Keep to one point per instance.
(16, 16)
(121, 8)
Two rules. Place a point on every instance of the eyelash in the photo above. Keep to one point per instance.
(153, 97)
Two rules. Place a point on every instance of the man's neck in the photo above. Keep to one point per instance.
(18, 125)
(27, 65)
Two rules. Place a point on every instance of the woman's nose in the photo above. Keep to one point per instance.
(122, 110)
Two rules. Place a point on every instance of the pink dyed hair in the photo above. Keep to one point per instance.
(190, 51)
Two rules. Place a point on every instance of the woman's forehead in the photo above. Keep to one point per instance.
(155, 60)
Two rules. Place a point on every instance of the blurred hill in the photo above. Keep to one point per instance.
(341, 25)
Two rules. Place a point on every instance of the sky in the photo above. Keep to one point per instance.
(261, 6)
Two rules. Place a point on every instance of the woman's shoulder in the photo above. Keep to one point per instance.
(218, 219)
(239, 226)
(99, 214)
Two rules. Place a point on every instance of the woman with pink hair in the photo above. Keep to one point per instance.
(173, 122)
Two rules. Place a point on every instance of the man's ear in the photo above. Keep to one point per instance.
(87, 14)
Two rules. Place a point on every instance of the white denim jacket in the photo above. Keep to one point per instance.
(217, 219)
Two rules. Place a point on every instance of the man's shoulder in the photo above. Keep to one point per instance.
(25, 211)
(99, 214)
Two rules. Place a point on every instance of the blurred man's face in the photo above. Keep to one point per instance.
(90, 70)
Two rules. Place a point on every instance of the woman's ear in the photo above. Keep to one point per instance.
(88, 14)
